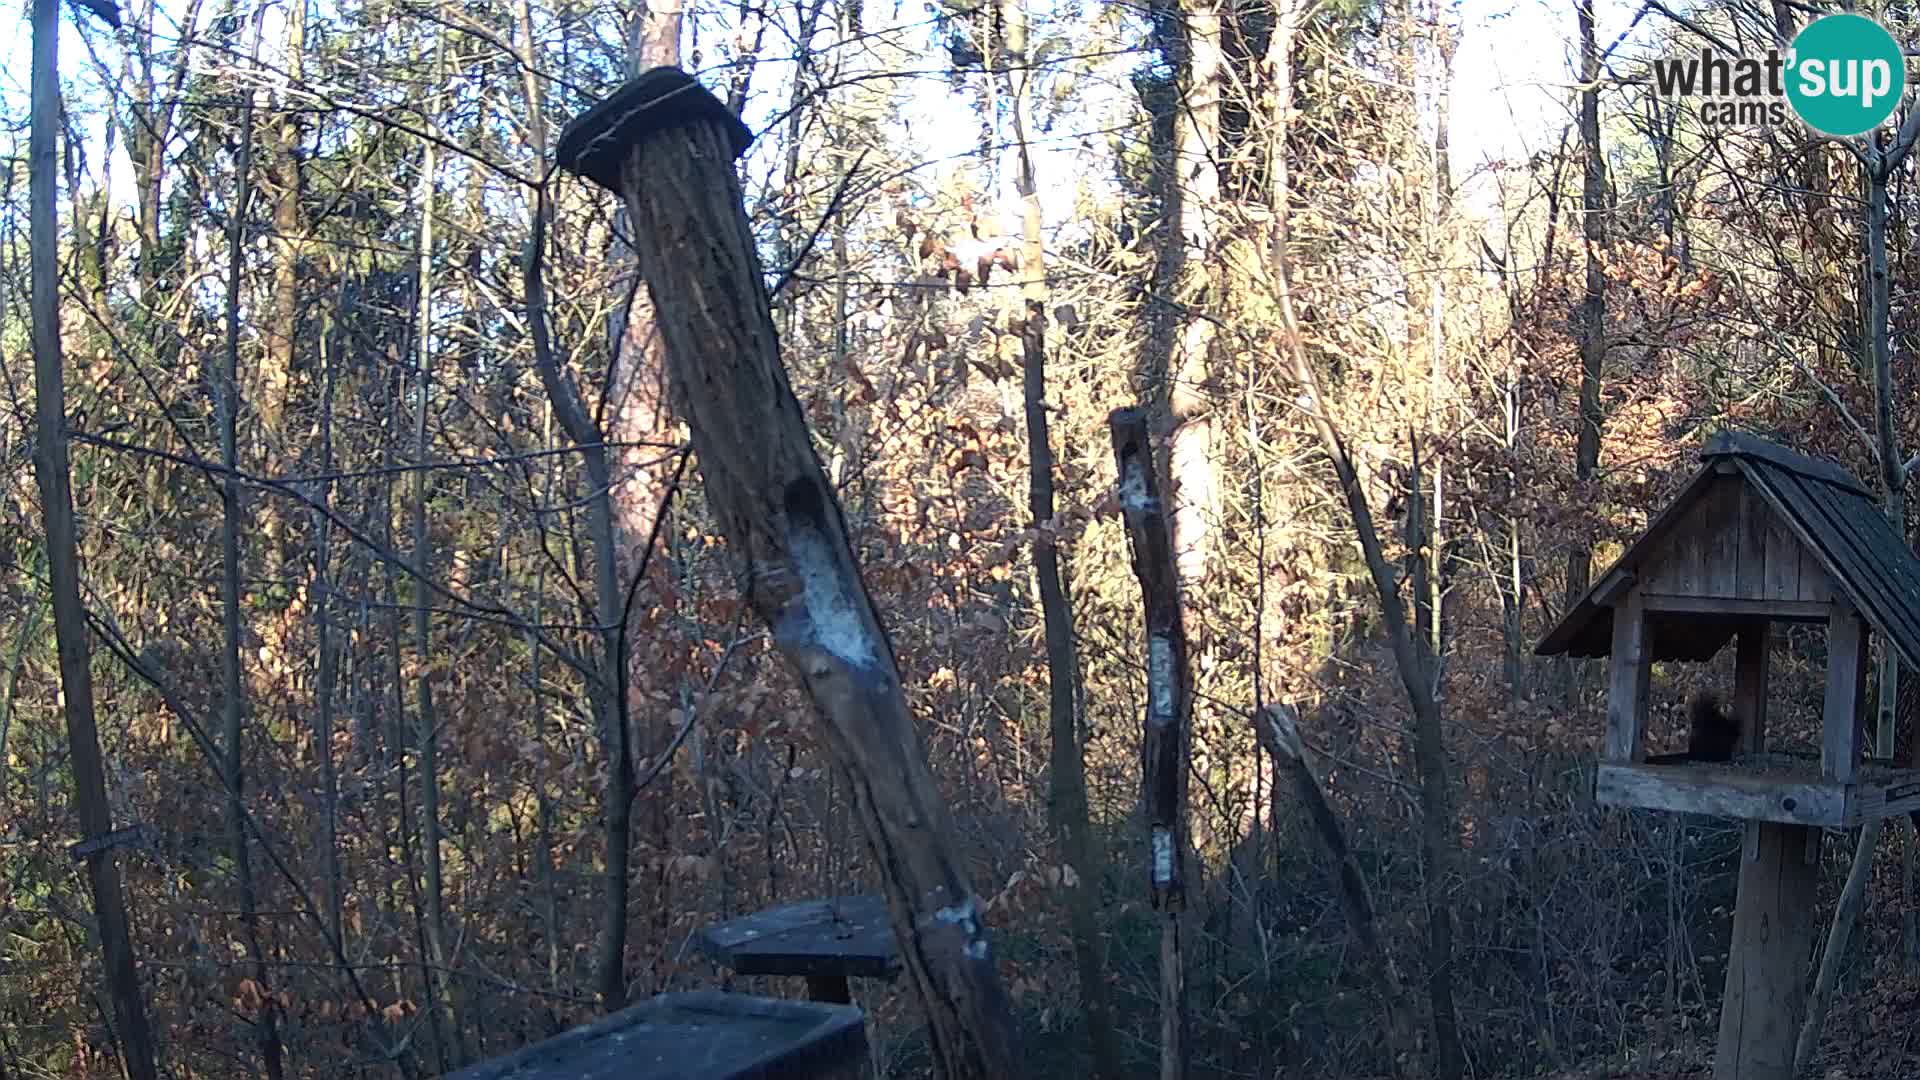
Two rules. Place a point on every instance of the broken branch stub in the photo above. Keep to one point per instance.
(666, 146)
(1163, 761)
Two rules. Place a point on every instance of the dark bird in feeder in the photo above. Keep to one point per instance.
(1712, 732)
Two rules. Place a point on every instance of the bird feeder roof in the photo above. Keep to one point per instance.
(1838, 524)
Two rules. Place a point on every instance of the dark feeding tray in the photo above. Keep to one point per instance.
(824, 940)
(702, 1035)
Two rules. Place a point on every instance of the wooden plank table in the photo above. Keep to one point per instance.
(702, 1035)
(826, 941)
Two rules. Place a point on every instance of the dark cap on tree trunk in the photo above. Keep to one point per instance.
(595, 144)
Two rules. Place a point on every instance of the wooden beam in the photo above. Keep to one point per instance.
(1612, 586)
(1885, 800)
(1765, 995)
(1846, 683)
(1791, 610)
(1627, 688)
(1722, 791)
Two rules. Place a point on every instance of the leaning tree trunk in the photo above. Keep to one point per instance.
(1165, 749)
(53, 471)
(1278, 731)
(1411, 655)
(667, 146)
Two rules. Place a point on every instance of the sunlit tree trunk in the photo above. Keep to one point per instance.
(1193, 227)
(289, 226)
(638, 420)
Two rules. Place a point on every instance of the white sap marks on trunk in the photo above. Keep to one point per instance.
(966, 917)
(962, 914)
(1133, 487)
(1162, 857)
(1281, 721)
(1160, 679)
(834, 621)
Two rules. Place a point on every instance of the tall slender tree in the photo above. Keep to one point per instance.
(53, 472)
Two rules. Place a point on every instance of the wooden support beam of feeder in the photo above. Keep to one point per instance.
(1750, 669)
(1164, 751)
(1765, 995)
(666, 146)
(1846, 690)
(1632, 664)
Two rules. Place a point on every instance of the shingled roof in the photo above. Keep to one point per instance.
(1832, 514)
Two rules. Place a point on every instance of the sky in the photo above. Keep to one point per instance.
(1509, 92)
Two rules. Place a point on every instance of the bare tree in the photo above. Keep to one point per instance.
(234, 705)
(1067, 796)
(53, 472)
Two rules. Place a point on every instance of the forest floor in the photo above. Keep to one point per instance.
(1871, 1035)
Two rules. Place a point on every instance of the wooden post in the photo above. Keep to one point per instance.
(1627, 693)
(1765, 996)
(1164, 750)
(1750, 684)
(667, 147)
(829, 988)
(1846, 683)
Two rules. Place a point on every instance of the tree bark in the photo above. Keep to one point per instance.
(667, 146)
(1192, 227)
(1166, 748)
(289, 226)
(53, 472)
(426, 722)
(536, 314)
(1593, 300)
(637, 417)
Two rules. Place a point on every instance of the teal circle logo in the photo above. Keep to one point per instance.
(1847, 75)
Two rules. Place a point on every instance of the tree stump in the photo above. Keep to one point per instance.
(667, 146)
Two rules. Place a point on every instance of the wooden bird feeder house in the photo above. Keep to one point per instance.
(1759, 535)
